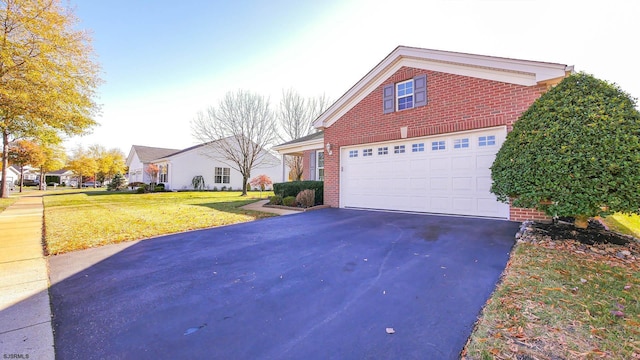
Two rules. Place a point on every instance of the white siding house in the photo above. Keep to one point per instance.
(140, 157)
(177, 169)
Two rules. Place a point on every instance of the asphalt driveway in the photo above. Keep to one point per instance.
(319, 285)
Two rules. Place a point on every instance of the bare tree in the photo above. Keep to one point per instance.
(238, 132)
(295, 116)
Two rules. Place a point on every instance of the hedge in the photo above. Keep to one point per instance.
(292, 188)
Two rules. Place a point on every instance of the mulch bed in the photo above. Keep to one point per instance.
(594, 240)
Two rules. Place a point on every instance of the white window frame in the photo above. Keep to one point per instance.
(417, 147)
(163, 174)
(222, 174)
(487, 140)
(367, 152)
(399, 149)
(438, 145)
(405, 95)
(320, 169)
(461, 143)
(383, 150)
(353, 153)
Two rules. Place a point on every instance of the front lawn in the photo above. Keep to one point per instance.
(563, 300)
(94, 218)
(5, 203)
(626, 224)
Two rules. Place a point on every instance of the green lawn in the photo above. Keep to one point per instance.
(5, 203)
(625, 224)
(75, 221)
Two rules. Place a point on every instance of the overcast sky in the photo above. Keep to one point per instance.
(163, 61)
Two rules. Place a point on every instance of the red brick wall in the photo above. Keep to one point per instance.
(455, 103)
(522, 214)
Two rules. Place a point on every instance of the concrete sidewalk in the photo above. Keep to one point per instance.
(25, 311)
(259, 206)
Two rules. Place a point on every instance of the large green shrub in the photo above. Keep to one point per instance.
(293, 188)
(574, 152)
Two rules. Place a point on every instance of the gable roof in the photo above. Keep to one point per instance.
(147, 153)
(521, 72)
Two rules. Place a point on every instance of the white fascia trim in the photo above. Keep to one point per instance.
(520, 72)
(300, 147)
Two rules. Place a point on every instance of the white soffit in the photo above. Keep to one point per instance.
(300, 146)
(513, 71)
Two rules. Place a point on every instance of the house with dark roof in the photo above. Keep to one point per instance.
(177, 168)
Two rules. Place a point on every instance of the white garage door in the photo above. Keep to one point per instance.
(445, 174)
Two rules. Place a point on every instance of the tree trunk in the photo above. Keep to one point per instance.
(245, 178)
(4, 189)
(21, 176)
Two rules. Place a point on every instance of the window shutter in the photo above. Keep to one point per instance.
(388, 99)
(312, 165)
(420, 90)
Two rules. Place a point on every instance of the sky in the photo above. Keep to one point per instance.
(164, 61)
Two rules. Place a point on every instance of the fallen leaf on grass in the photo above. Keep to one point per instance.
(617, 313)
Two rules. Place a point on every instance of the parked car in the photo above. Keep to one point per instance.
(29, 182)
(89, 184)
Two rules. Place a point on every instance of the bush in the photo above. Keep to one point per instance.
(224, 188)
(275, 200)
(575, 152)
(141, 190)
(289, 201)
(293, 188)
(198, 182)
(306, 198)
(117, 183)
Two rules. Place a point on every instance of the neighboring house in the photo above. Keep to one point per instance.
(420, 132)
(63, 176)
(140, 157)
(13, 175)
(178, 168)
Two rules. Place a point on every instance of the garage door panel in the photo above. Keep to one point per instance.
(483, 184)
(484, 161)
(439, 184)
(462, 184)
(463, 163)
(439, 203)
(440, 179)
(439, 164)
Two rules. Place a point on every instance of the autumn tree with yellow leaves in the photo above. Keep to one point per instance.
(48, 76)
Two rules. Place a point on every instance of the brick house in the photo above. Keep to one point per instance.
(420, 131)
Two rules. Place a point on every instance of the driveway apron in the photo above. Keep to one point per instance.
(325, 284)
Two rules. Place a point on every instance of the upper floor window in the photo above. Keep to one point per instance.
(406, 94)
(404, 98)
